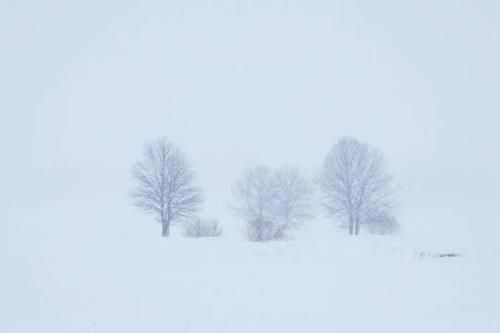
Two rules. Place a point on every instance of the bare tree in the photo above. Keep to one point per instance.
(355, 183)
(272, 202)
(293, 197)
(255, 203)
(166, 184)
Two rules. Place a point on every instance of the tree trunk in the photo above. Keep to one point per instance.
(165, 225)
(165, 229)
(357, 226)
(351, 226)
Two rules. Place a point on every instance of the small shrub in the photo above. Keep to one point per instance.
(262, 230)
(383, 224)
(197, 228)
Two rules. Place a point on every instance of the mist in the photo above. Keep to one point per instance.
(238, 84)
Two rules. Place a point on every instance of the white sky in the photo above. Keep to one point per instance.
(84, 84)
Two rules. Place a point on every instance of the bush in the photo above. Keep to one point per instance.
(197, 228)
(383, 224)
(262, 230)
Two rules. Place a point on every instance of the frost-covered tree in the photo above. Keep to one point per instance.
(165, 184)
(255, 195)
(272, 202)
(293, 202)
(355, 183)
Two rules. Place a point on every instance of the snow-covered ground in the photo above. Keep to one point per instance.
(93, 279)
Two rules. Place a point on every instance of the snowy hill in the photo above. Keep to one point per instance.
(136, 282)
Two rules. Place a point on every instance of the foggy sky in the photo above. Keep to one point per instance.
(85, 84)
